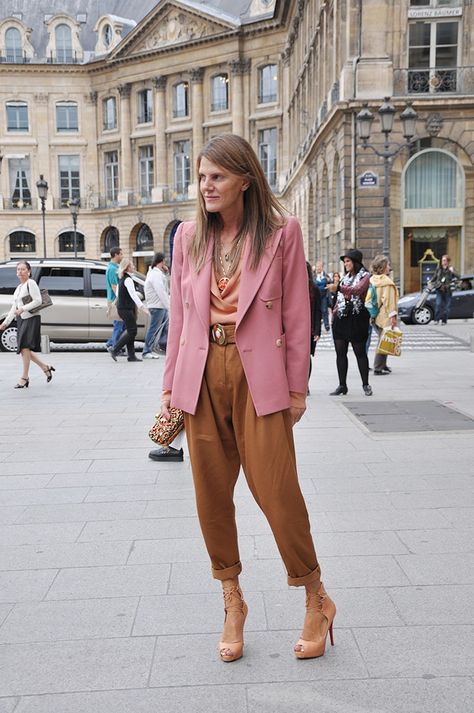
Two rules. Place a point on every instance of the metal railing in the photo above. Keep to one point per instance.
(10, 57)
(63, 57)
(433, 80)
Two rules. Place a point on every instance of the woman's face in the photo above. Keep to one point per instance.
(221, 190)
(387, 269)
(444, 262)
(348, 264)
(22, 272)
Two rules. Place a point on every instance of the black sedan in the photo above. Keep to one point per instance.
(462, 305)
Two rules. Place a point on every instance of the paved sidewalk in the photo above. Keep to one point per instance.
(106, 600)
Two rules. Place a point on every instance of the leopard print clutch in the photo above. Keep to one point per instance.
(164, 432)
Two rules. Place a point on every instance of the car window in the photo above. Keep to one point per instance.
(8, 280)
(67, 281)
(98, 286)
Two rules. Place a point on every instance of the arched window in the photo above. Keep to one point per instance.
(325, 196)
(433, 180)
(111, 239)
(267, 83)
(66, 242)
(144, 238)
(337, 187)
(107, 34)
(181, 100)
(22, 241)
(63, 44)
(220, 92)
(14, 50)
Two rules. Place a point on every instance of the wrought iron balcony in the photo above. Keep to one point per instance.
(13, 57)
(433, 80)
(63, 57)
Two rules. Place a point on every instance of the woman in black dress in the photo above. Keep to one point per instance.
(351, 320)
(28, 325)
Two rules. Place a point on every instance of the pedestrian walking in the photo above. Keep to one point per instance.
(351, 320)
(386, 310)
(128, 301)
(444, 281)
(321, 280)
(157, 300)
(316, 317)
(237, 365)
(28, 325)
(111, 281)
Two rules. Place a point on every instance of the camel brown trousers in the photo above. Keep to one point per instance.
(226, 433)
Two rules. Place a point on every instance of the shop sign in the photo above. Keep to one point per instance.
(423, 13)
(368, 180)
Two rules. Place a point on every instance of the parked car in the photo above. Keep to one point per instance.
(77, 288)
(462, 305)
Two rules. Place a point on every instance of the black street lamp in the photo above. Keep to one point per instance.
(387, 113)
(42, 187)
(74, 208)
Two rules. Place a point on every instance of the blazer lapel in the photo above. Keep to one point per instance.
(201, 286)
(252, 279)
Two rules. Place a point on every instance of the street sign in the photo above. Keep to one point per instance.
(368, 179)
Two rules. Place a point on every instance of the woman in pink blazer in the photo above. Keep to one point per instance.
(237, 365)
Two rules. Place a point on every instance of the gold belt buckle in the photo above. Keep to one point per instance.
(218, 334)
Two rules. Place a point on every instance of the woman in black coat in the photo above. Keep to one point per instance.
(316, 314)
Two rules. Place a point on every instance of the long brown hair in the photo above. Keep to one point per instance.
(263, 213)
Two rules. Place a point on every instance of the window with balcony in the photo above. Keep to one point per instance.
(20, 181)
(109, 113)
(267, 152)
(13, 45)
(22, 241)
(433, 57)
(17, 116)
(267, 84)
(145, 106)
(111, 169)
(146, 170)
(67, 116)
(181, 100)
(69, 179)
(63, 38)
(182, 168)
(220, 92)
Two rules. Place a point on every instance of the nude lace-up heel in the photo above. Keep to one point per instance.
(232, 647)
(320, 613)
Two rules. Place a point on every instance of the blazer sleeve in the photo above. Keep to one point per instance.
(296, 316)
(176, 310)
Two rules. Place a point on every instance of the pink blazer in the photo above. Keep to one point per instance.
(272, 326)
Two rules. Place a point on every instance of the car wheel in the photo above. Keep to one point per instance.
(8, 339)
(422, 315)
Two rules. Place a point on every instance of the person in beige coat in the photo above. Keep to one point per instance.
(387, 301)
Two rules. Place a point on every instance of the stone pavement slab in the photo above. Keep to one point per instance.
(107, 604)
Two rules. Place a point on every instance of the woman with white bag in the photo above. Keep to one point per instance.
(387, 301)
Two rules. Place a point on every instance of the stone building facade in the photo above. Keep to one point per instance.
(113, 111)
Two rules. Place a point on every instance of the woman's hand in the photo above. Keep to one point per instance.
(316, 337)
(393, 322)
(18, 311)
(296, 414)
(165, 405)
(332, 287)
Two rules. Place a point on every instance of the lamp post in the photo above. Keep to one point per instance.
(74, 208)
(387, 113)
(42, 187)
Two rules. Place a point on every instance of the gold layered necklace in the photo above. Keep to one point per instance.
(226, 263)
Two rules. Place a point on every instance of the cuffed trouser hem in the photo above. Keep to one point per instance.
(227, 572)
(313, 576)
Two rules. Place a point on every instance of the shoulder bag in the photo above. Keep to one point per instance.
(46, 300)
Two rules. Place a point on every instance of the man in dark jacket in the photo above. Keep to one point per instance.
(444, 280)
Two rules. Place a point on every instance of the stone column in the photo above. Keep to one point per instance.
(46, 161)
(238, 68)
(197, 108)
(126, 152)
(90, 180)
(161, 155)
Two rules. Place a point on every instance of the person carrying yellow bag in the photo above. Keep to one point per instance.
(385, 314)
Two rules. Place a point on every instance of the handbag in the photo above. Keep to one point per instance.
(390, 342)
(164, 432)
(46, 300)
(112, 312)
